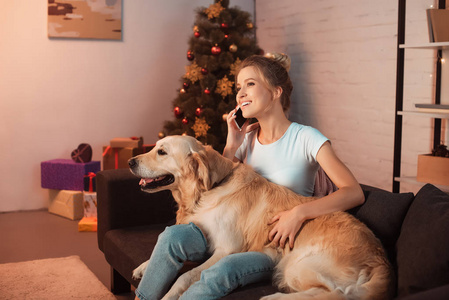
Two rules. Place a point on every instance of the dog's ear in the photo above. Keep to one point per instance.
(200, 166)
(222, 167)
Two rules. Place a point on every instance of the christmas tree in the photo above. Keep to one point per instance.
(222, 37)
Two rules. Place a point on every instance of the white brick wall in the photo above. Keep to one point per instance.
(344, 72)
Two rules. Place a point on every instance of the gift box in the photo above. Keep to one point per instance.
(87, 224)
(82, 154)
(132, 142)
(117, 158)
(90, 205)
(90, 184)
(68, 204)
(65, 174)
(433, 169)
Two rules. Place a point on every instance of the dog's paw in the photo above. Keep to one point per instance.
(138, 272)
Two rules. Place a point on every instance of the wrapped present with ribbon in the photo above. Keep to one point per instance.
(65, 174)
(90, 182)
(90, 196)
(117, 158)
(131, 142)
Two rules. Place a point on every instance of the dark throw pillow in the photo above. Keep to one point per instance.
(423, 245)
(383, 212)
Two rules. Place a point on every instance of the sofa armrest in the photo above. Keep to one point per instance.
(122, 204)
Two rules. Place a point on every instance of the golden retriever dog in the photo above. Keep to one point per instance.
(335, 256)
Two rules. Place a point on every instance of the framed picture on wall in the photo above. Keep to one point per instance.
(85, 19)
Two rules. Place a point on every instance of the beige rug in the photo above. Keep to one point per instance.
(54, 278)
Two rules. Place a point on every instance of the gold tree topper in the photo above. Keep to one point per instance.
(200, 127)
(214, 10)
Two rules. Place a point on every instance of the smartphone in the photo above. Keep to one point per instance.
(239, 119)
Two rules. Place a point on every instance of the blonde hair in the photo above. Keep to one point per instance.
(281, 58)
(273, 68)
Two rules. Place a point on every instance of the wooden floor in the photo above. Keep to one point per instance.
(38, 234)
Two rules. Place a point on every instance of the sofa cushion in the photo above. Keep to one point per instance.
(383, 212)
(125, 249)
(423, 245)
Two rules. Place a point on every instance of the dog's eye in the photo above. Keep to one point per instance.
(161, 152)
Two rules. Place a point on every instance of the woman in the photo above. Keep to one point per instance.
(284, 152)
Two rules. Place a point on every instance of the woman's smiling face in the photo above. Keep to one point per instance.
(253, 96)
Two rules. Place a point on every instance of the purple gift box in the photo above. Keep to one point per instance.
(65, 174)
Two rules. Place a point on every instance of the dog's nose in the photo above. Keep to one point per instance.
(132, 162)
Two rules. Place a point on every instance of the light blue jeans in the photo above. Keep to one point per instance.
(179, 243)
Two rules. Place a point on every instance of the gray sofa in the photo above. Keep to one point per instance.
(414, 230)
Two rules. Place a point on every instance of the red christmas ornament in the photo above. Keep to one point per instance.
(190, 55)
(224, 25)
(185, 85)
(198, 111)
(226, 36)
(185, 121)
(204, 71)
(216, 50)
(207, 91)
(177, 111)
(197, 34)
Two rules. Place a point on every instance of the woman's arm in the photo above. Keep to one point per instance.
(349, 195)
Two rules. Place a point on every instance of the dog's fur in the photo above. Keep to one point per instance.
(334, 256)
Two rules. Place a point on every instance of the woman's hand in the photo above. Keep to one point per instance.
(288, 224)
(235, 135)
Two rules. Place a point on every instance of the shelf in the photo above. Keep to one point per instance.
(413, 180)
(424, 114)
(434, 46)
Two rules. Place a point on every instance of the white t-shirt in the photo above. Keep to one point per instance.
(290, 161)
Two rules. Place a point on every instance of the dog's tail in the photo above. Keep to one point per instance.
(378, 286)
(310, 277)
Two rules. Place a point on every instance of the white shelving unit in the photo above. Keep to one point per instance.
(399, 112)
(412, 180)
(417, 113)
(435, 46)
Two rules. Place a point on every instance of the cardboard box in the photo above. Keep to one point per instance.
(68, 204)
(132, 142)
(117, 158)
(65, 174)
(433, 169)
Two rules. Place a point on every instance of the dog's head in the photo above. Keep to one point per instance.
(179, 163)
